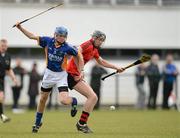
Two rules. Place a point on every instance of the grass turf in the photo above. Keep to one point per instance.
(104, 123)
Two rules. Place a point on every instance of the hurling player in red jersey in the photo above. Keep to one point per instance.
(89, 50)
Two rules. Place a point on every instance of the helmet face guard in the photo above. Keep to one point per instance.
(62, 31)
(99, 34)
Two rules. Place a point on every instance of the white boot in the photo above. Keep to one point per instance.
(4, 118)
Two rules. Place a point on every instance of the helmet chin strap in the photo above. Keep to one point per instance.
(97, 47)
(58, 43)
(93, 42)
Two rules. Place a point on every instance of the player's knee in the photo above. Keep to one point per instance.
(43, 99)
(64, 98)
(64, 101)
(1, 98)
(94, 98)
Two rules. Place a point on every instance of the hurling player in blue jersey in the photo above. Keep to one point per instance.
(57, 50)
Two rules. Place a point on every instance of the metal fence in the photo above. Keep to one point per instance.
(125, 91)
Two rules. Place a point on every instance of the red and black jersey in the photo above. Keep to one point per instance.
(88, 51)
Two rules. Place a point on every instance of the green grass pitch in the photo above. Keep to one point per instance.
(104, 123)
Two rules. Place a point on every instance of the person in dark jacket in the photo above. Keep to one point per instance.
(154, 76)
(5, 68)
(19, 72)
(96, 74)
(169, 77)
(140, 76)
(33, 91)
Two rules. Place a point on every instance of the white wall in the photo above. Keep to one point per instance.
(126, 27)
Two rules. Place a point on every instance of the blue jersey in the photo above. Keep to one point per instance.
(169, 71)
(56, 57)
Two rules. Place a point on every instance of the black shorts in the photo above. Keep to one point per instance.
(1, 84)
(61, 89)
(71, 81)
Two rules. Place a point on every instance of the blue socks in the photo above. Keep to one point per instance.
(74, 102)
(38, 118)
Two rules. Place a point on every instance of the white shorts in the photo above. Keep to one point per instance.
(54, 79)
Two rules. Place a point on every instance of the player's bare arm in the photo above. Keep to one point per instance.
(10, 72)
(106, 64)
(79, 60)
(27, 33)
(80, 63)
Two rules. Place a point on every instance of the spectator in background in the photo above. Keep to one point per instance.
(169, 76)
(19, 72)
(140, 75)
(33, 90)
(154, 77)
(96, 74)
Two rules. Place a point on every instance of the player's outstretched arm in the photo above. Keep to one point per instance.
(106, 64)
(27, 33)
